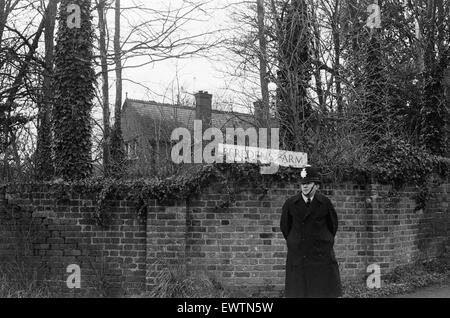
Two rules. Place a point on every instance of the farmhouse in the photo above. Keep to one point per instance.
(147, 127)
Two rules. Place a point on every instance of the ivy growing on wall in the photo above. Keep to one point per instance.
(410, 168)
(398, 162)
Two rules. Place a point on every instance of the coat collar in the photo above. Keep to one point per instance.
(318, 199)
(317, 196)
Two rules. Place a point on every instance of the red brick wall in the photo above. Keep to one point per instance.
(240, 245)
(112, 260)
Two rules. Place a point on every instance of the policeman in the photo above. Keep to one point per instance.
(309, 224)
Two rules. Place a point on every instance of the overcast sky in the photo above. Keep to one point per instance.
(192, 74)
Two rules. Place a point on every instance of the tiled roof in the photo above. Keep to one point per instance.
(161, 112)
(157, 116)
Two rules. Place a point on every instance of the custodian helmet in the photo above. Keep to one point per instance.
(309, 174)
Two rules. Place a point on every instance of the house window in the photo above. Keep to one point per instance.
(153, 154)
(131, 149)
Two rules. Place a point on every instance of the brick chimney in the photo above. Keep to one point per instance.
(203, 102)
(259, 116)
(262, 117)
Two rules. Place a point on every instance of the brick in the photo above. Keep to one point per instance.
(242, 240)
(55, 240)
(72, 253)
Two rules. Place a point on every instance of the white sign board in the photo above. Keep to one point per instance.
(235, 153)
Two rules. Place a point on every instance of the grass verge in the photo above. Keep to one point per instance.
(404, 279)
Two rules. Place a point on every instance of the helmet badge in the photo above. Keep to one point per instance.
(304, 173)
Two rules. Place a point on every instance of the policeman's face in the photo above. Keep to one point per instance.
(308, 189)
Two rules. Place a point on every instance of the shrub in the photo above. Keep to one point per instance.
(399, 162)
(175, 282)
(18, 282)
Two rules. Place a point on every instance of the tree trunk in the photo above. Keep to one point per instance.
(263, 64)
(105, 86)
(74, 92)
(434, 111)
(317, 57)
(2, 18)
(294, 74)
(441, 28)
(118, 63)
(117, 152)
(376, 111)
(44, 163)
(355, 24)
(430, 37)
(337, 56)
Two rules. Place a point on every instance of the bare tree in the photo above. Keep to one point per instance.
(158, 37)
(117, 146)
(263, 72)
(44, 162)
(18, 70)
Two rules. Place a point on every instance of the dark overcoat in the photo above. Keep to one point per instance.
(311, 266)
